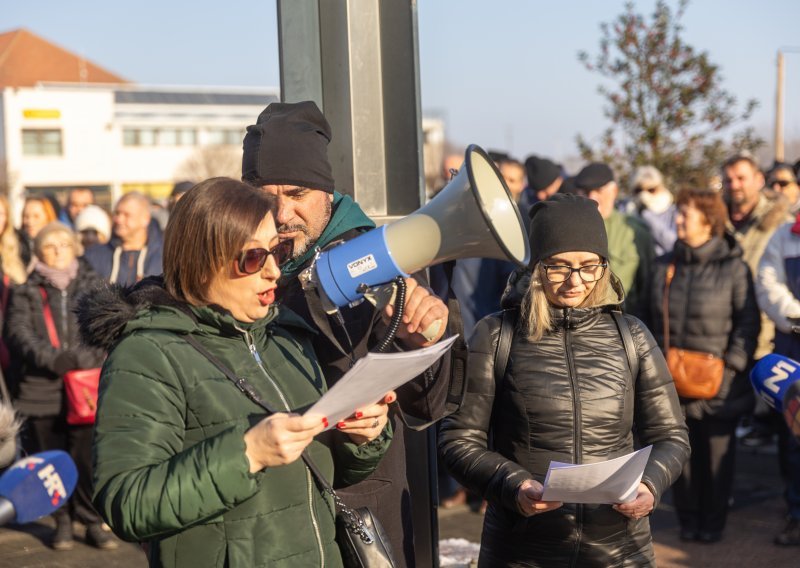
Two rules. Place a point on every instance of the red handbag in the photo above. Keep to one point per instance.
(80, 385)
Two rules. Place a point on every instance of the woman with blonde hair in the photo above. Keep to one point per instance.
(571, 382)
(37, 213)
(10, 260)
(43, 335)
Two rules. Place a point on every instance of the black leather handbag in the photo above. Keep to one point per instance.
(360, 536)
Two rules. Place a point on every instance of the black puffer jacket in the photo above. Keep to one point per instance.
(37, 386)
(712, 308)
(569, 397)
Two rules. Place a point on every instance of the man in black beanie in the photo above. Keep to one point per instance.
(286, 154)
(630, 243)
(544, 177)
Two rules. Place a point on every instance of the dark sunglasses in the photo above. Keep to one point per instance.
(781, 182)
(253, 260)
(640, 189)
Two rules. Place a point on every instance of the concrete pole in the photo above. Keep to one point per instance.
(779, 155)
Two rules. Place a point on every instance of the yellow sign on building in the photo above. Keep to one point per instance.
(41, 113)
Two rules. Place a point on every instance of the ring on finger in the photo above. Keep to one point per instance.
(375, 423)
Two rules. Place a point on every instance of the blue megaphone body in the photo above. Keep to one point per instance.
(473, 216)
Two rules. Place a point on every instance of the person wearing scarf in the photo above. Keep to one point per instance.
(58, 279)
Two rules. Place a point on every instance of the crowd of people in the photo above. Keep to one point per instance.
(568, 357)
(709, 269)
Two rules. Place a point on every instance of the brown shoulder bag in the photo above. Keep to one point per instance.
(696, 374)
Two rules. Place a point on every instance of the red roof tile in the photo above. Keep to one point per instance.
(27, 59)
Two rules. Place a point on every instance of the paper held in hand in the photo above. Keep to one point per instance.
(608, 482)
(372, 377)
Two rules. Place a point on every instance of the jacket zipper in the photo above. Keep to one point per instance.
(576, 417)
(64, 321)
(309, 482)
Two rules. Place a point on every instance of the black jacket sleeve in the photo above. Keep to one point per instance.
(463, 436)
(25, 322)
(746, 320)
(657, 414)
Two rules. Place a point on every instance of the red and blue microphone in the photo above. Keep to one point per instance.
(36, 486)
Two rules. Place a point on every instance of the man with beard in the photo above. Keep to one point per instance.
(285, 154)
(754, 217)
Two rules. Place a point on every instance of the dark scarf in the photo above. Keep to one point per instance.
(346, 216)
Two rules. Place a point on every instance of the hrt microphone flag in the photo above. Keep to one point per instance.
(772, 376)
(36, 486)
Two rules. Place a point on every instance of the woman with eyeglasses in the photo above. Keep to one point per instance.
(710, 307)
(567, 390)
(43, 339)
(186, 461)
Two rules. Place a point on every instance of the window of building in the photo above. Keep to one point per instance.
(41, 142)
(177, 137)
(139, 136)
(225, 136)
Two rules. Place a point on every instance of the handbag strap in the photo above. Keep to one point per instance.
(49, 323)
(665, 309)
(250, 392)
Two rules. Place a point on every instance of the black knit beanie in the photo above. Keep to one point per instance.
(288, 145)
(566, 223)
(540, 172)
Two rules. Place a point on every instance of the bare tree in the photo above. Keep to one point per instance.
(211, 161)
(666, 102)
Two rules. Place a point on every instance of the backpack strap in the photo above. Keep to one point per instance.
(627, 340)
(508, 322)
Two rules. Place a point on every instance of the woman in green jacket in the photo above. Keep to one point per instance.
(184, 461)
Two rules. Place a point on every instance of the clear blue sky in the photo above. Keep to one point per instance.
(504, 74)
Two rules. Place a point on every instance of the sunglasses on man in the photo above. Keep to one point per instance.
(781, 182)
(252, 260)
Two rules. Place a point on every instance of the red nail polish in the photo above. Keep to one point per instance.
(359, 414)
(341, 425)
(325, 422)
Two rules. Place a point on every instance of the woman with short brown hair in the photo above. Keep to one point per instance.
(711, 308)
(209, 479)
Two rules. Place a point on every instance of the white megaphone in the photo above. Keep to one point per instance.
(473, 216)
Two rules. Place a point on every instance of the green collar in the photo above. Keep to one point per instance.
(346, 216)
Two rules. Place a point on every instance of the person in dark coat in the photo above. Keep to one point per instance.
(712, 308)
(285, 154)
(59, 278)
(570, 392)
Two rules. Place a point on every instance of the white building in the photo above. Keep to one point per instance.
(119, 138)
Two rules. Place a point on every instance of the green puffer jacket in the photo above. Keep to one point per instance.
(169, 455)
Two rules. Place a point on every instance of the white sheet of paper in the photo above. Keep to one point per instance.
(372, 377)
(612, 481)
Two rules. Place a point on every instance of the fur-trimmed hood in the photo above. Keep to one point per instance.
(109, 312)
(104, 312)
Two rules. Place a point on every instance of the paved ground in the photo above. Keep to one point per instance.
(756, 516)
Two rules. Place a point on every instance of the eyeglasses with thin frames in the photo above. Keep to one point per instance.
(252, 260)
(557, 273)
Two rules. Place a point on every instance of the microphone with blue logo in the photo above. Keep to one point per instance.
(776, 379)
(36, 486)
